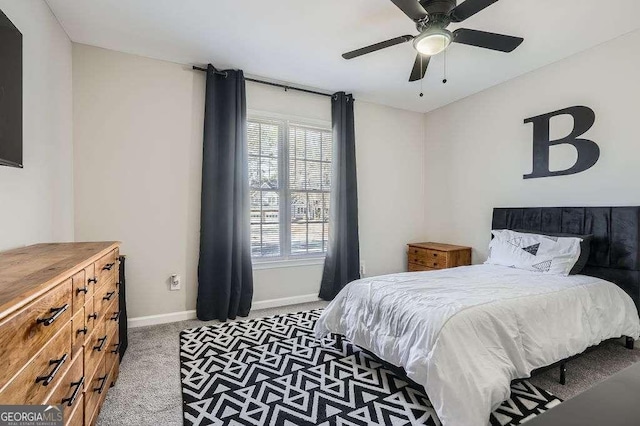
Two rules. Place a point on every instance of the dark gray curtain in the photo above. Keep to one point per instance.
(342, 264)
(225, 278)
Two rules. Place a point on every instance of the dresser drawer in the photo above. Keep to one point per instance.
(78, 332)
(90, 319)
(77, 416)
(94, 388)
(105, 297)
(69, 391)
(115, 372)
(112, 357)
(81, 290)
(43, 373)
(27, 331)
(112, 316)
(95, 349)
(111, 378)
(90, 276)
(105, 268)
(431, 258)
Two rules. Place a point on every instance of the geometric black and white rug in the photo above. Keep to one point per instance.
(272, 371)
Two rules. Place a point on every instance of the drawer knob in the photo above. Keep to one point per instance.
(100, 346)
(82, 330)
(108, 266)
(93, 316)
(93, 280)
(56, 314)
(109, 295)
(116, 348)
(435, 263)
(102, 381)
(49, 378)
(435, 254)
(78, 387)
(116, 316)
(84, 290)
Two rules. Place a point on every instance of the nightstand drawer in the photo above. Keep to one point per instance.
(430, 258)
(413, 267)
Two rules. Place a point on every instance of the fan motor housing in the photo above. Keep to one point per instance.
(439, 7)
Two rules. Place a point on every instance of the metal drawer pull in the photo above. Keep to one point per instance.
(108, 266)
(78, 387)
(116, 348)
(116, 316)
(102, 341)
(48, 379)
(92, 280)
(93, 315)
(100, 388)
(109, 295)
(56, 313)
(82, 330)
(84, 290)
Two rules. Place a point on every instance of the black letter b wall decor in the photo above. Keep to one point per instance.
(588, 151)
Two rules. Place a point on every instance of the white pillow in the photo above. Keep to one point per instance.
(532, 252)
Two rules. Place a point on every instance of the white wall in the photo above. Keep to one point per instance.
(137, 155)
(138, 140)
(389, 151)
(478, 149)
(37, 201)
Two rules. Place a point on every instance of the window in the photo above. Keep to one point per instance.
(290, 179)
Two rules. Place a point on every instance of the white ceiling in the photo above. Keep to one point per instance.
(300, 41)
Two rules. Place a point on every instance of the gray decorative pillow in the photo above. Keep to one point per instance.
(585, 247)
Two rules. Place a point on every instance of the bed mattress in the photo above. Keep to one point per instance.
(466, 333)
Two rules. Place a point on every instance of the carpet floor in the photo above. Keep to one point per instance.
(148, 391)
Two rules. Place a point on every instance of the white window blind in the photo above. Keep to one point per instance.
(290, 179)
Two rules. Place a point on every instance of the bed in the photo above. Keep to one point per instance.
(466, 333)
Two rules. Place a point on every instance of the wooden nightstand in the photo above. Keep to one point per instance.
(430, 256)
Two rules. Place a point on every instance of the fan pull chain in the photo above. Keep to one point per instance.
(421, 80)
(444, 80)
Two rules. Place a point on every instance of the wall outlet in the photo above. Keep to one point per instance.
(174, 282)
(363, 269)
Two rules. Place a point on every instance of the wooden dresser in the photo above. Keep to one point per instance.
(430, 256)
(59, 319)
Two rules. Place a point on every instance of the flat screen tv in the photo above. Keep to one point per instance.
(10, 93)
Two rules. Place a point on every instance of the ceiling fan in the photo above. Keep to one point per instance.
(432, 17)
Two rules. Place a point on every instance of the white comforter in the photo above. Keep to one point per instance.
(466, 333)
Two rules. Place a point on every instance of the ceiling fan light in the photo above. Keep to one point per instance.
(431, 43)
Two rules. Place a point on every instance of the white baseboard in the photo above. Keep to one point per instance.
(161, 319)
(190, 315)
(285, 301)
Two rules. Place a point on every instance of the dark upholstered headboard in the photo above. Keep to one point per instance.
(615, 248)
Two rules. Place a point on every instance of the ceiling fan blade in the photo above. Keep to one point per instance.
(469, 8)
(377, 46)
(411, 8)
(500, 42)
(419, 67)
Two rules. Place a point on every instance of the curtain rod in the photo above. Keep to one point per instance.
(268, 83)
